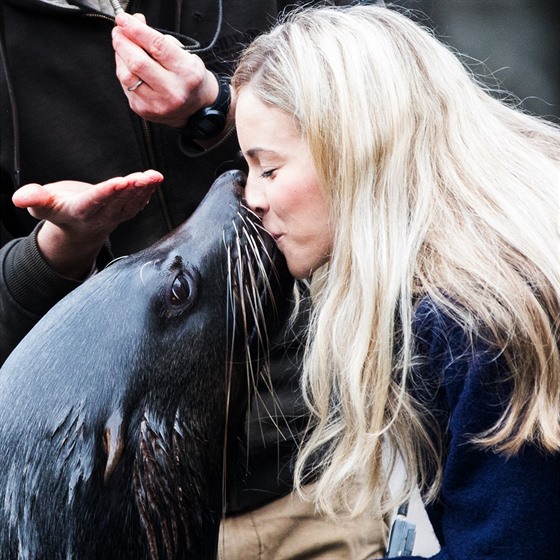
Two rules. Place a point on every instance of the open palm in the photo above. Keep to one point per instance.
(85, 208)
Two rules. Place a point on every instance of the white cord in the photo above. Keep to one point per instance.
(118, 9)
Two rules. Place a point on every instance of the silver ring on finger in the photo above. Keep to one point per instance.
(136, 85)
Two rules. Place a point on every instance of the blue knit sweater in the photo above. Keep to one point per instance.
(489, 507)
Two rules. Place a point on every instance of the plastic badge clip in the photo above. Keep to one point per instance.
(402, 535)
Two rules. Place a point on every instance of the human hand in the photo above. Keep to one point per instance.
(80, 216)
(174, 83)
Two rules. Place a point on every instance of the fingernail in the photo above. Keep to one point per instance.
(122, 19)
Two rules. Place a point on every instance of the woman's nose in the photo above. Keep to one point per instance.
(255, 197)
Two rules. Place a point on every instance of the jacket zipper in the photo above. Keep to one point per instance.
(149, 144)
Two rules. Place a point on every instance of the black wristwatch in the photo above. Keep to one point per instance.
(210, 121)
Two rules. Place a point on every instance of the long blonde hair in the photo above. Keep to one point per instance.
(438, 189)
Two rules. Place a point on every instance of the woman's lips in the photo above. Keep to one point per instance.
(277, 238)
(275, 235)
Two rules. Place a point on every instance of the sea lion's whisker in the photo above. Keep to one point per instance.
(142, 271)
(262, 271)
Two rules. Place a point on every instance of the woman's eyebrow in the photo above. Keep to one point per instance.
(254, 152)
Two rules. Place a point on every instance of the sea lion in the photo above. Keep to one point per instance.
(115, 408)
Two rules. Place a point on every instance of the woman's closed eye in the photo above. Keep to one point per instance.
(268, 173)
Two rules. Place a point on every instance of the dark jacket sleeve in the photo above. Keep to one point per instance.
(490, 507)
(28, 289)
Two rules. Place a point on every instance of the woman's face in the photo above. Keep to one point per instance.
(282, 184)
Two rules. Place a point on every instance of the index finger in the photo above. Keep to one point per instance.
(162, 48)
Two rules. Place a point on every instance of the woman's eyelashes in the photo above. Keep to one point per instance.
(268, 173)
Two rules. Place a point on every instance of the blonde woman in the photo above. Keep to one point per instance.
(425, 214)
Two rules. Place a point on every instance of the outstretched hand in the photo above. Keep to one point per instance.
(92, 209)
(80, 216)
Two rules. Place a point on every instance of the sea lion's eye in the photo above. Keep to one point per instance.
(180, 290)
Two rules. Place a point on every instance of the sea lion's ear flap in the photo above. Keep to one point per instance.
(113, 442)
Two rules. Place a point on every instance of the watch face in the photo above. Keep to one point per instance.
(210, 123)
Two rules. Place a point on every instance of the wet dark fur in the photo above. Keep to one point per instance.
(113, 409)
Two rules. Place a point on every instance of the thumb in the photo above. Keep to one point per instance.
(32, 195)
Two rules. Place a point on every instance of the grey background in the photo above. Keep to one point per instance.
(517, 40)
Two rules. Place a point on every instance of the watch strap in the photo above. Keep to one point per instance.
(210, 121)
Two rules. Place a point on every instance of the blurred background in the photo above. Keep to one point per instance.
(516, 40)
